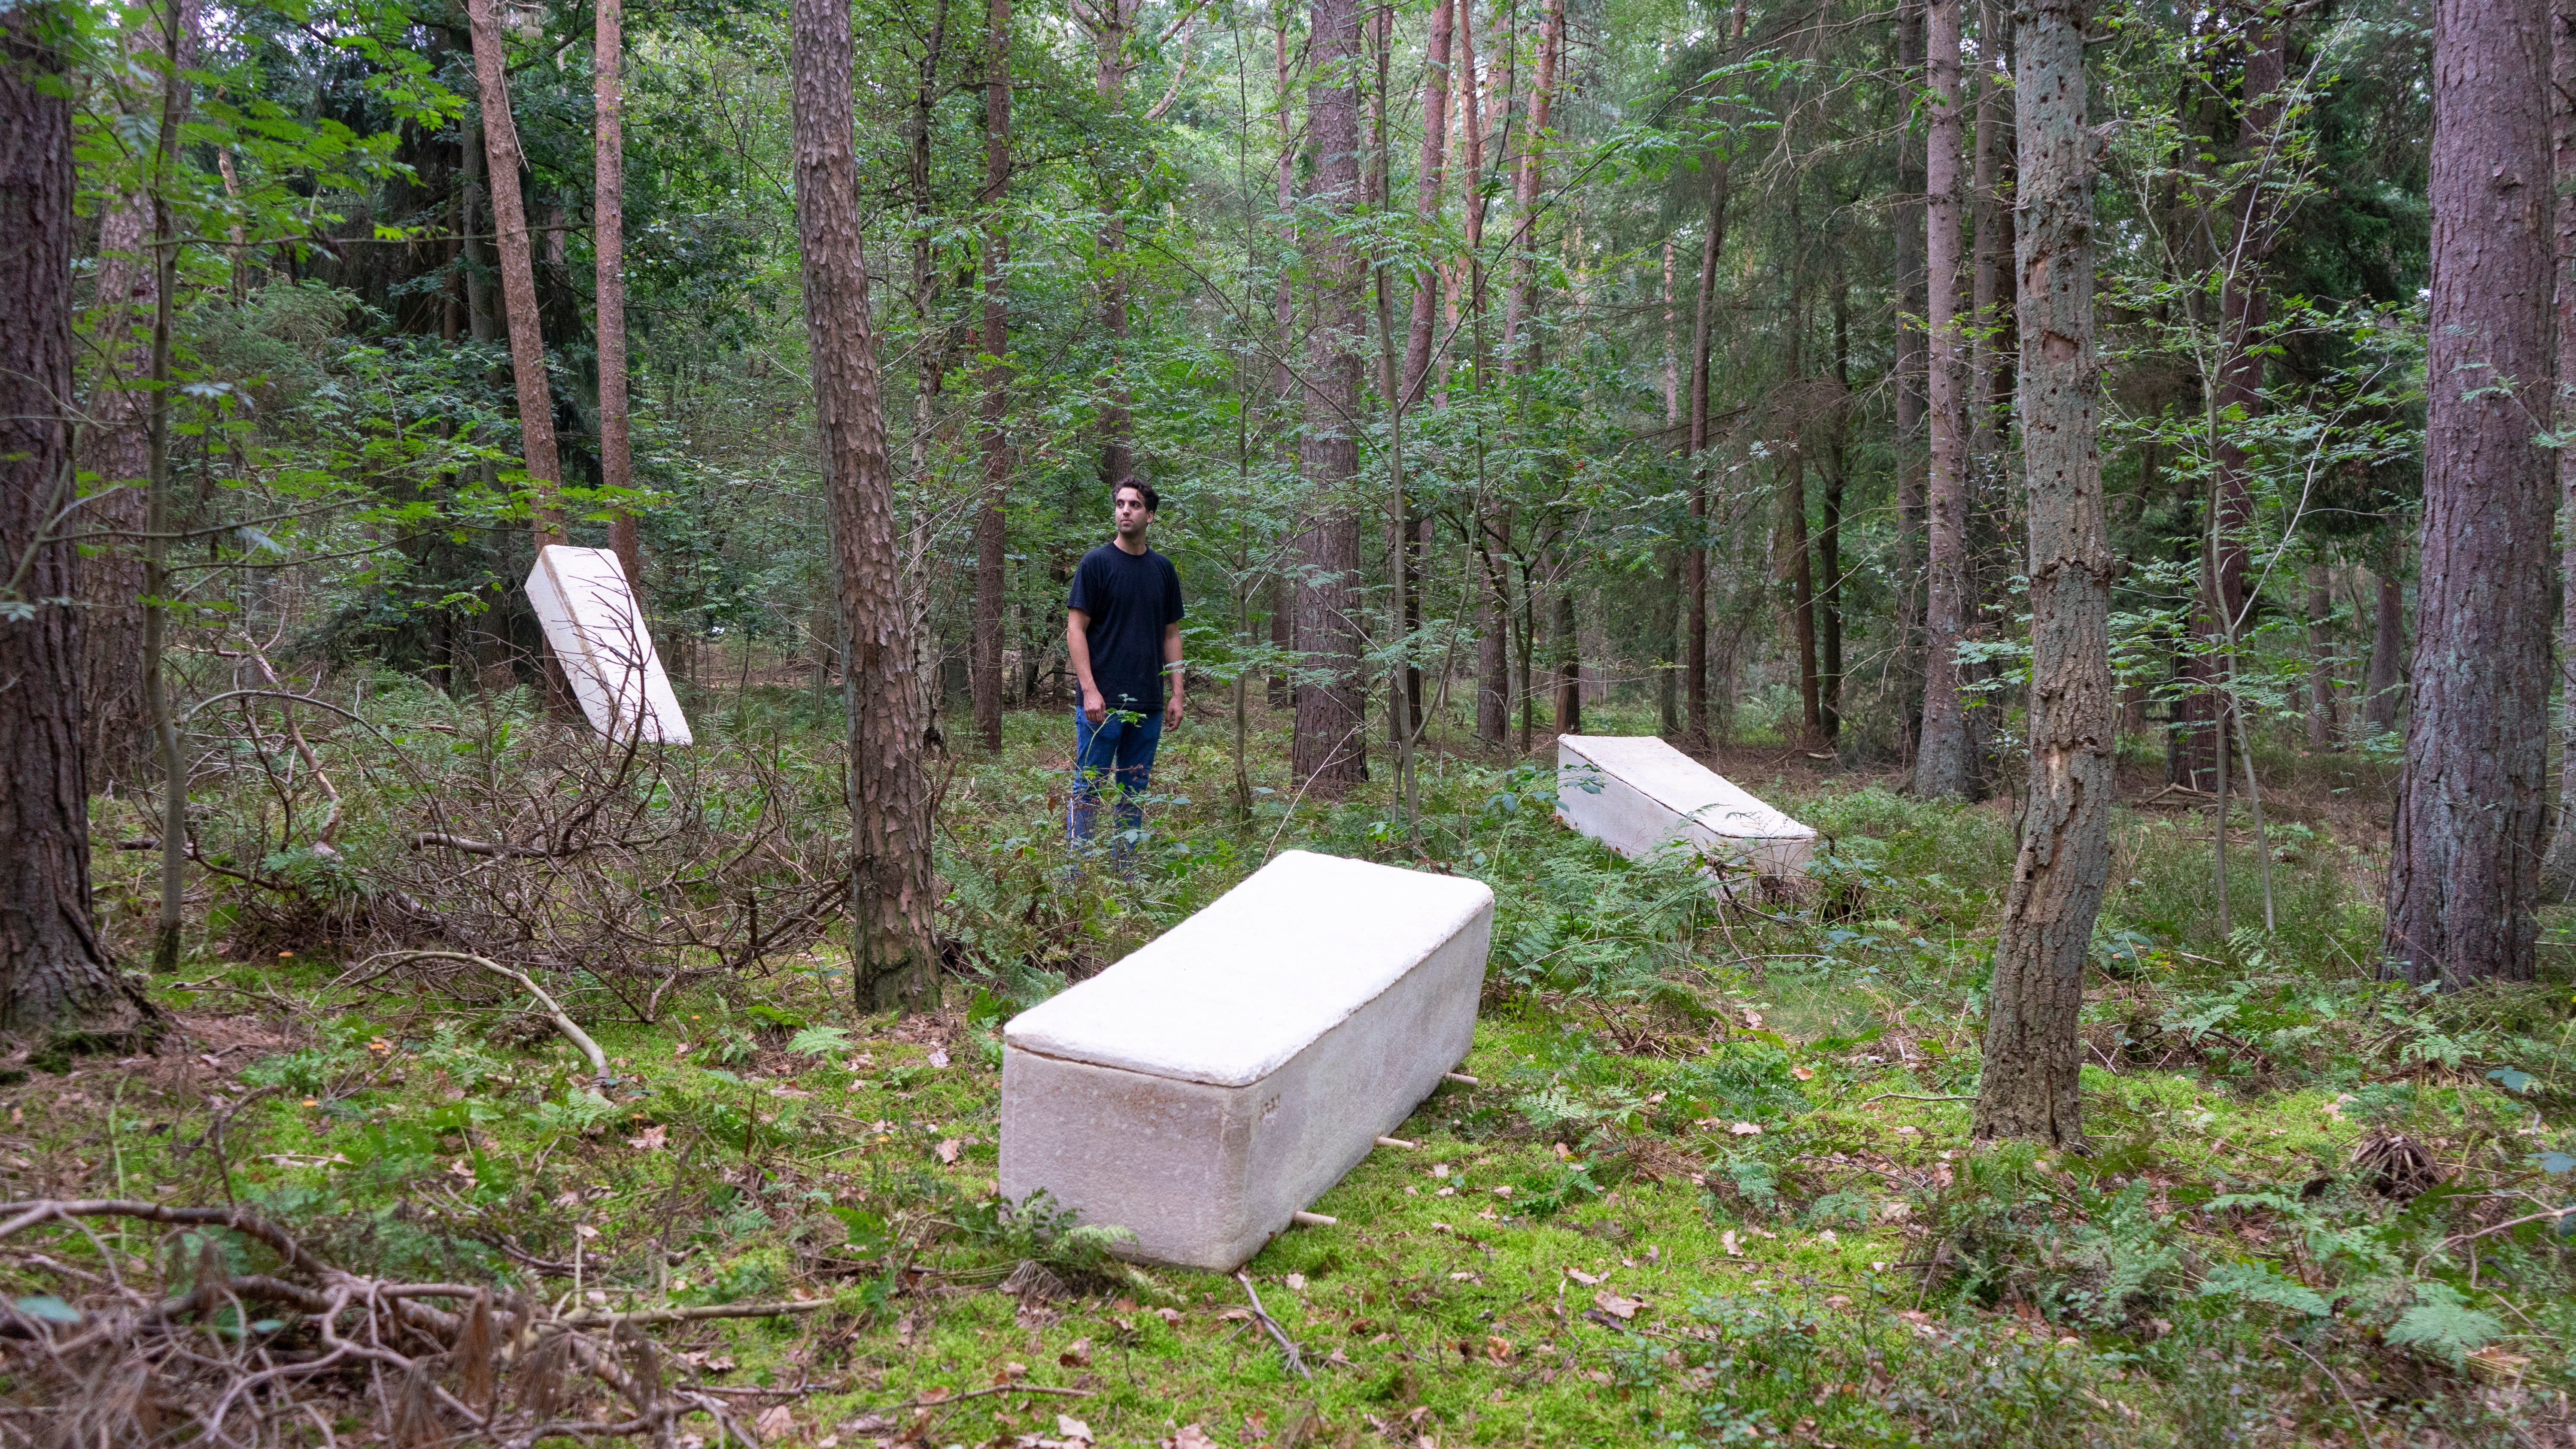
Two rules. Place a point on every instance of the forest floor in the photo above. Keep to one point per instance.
(1712, 1185)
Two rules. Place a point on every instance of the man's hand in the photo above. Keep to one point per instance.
(1094, 708)
(1172, 709)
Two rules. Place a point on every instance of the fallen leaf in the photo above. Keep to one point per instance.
(1502, 1192)
(1191, 1436)
(1617, 1307)
(1498, 1349)
(1727, 1241)
(1804, 1074)
(939, 1058)
(1072, 1428)
(1827, 1238)
(586, 1230)
(1077, 1354)
(1231, 1315)
(1010, 1371)
(1579, 1276)
(569, 1197)
(869, 1424)
(1745, 1129)
(1171, 1316)
(776, 1422)
(653, 1138)
(1339, 1359)
(947, 1149)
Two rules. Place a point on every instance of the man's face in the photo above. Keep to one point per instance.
(1133, 515)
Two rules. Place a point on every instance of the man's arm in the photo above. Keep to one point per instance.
(1172, 676)
(1077, 643)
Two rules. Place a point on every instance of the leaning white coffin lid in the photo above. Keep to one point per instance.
(1686, 787)
(1230, 995)
(591, 622)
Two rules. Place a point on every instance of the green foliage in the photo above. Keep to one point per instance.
(2441, 1323)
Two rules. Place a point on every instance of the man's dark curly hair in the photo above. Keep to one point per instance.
(1153, 500)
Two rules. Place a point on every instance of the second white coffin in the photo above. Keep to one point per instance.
(1215, 1082)
(1639, 795)
(581, 597)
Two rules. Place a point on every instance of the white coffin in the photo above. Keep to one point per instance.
(597, 633)
(1205, 1088)
(1639, 795)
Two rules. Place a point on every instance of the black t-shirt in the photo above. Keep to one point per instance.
(1131, 599)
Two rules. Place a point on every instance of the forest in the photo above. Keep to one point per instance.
(2102, 464)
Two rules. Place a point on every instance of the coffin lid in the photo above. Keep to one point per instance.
(1678, 783)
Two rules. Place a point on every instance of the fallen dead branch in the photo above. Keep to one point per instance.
(563, 1023)
(115, 1358)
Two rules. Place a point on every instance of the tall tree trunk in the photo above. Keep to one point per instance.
(1493, 596)
(1328, 754)
(1829, 536)
(1799, 568)
(1987, 268)
(1909, 225)
(894, 962)
(608, 237)
(1529, 176)
(1113, 21)
(2462, 882)
(1405, 533)
(989, 541)
(518, 272)
(2028, 1088)
(54, 971)
(116, 445)
(1283, 382)
(2321, 691)
(2558, 867)
(1945, 760)
(1703, 470)
(1569, 661)
(2386, 686)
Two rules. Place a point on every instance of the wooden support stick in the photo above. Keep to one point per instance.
(1312, 1220)
(1396, 1142)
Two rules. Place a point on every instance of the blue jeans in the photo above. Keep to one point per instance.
(1121, 753)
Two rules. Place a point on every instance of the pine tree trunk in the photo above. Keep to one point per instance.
(1945, 760)
(2471, 809)
(894, 961)
(2028, 1088)
(608, 237)
(2321, 695)
(1702, 463)
(1429, 177)
(2386, 685)
(1909, 223)
(989, 540)
(518, 271)
(1114, 19)
(116, 445)
(54, 972)
(2558, 867)
(1569, 661)
(1328, 754)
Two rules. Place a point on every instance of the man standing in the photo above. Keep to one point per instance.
(1123, 629)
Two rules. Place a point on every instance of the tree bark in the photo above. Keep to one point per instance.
(116, 445)
(1493, 602)
(2028, 1088)
(894, 960)
(1695, 724)
(54, 971)
(2558, 867)
(1909, 224)
(2321, 691)
(2471, 809)
(1328, 754)
(1569, 661)
(608, 236)
(518, 273)
(989, 540)
(2386, 687)
(1406, 533)
(1112, 21)
(1945, 759)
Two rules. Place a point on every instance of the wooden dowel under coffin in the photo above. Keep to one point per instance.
(1204, 1090)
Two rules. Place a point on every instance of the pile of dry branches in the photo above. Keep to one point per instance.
(227, 1357)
